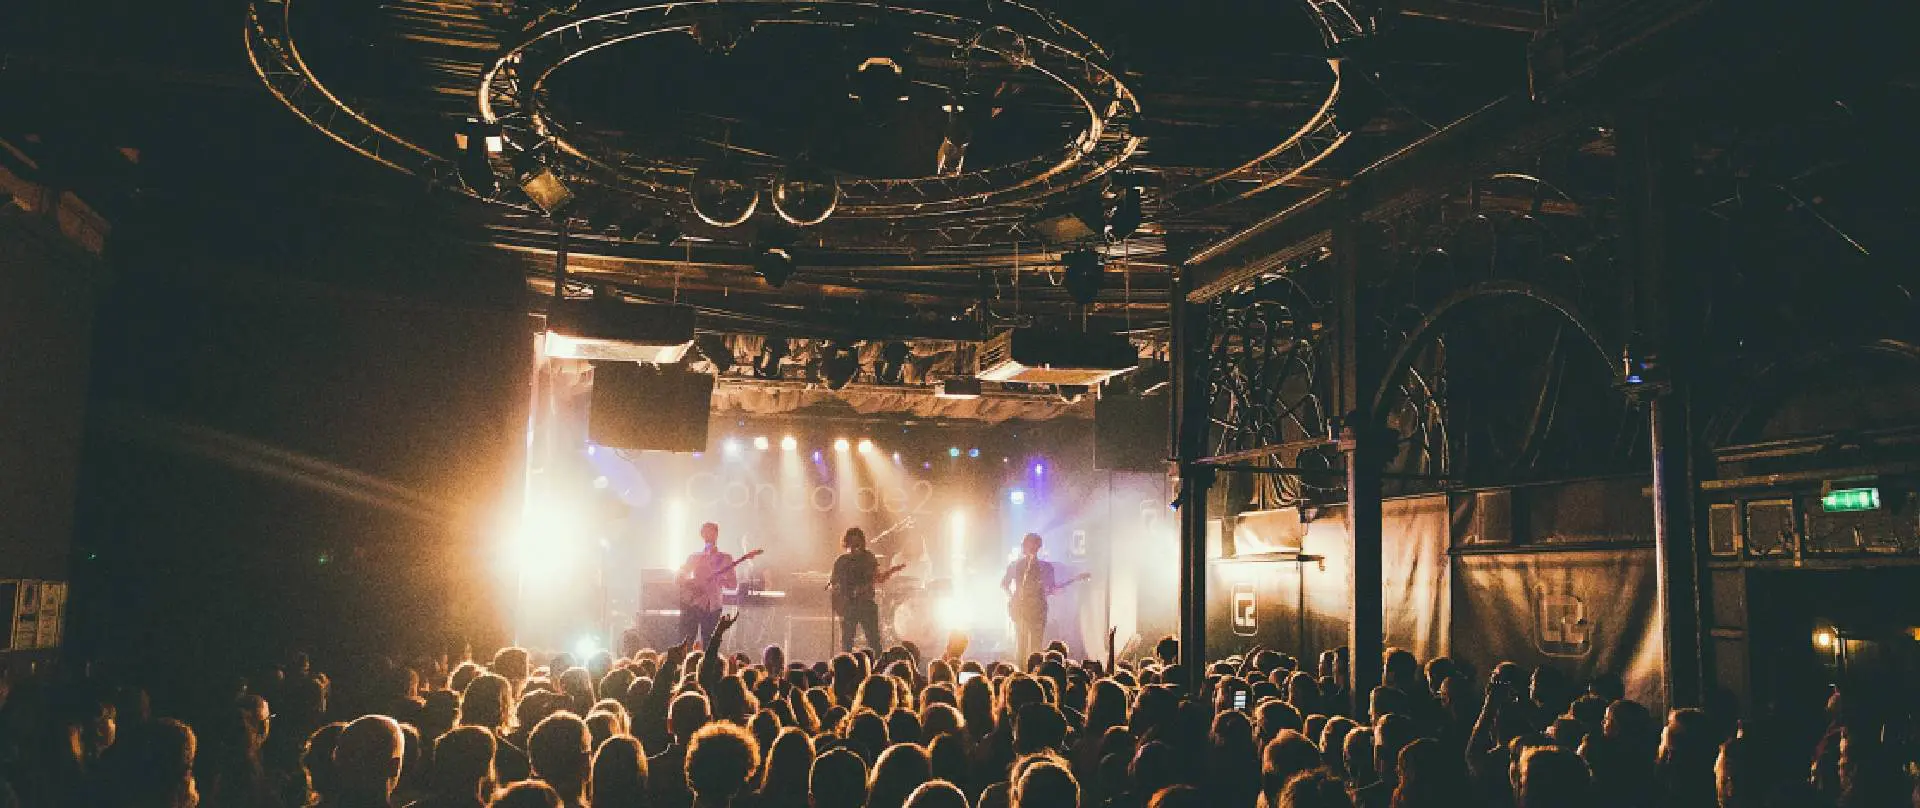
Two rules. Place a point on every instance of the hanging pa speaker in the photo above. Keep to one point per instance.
(642, 406)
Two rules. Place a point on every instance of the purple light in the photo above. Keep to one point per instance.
(1039, 469)
(817, 457)
(927, 465)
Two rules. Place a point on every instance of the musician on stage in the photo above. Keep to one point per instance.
(701, 578)
(855, 574)
(1028, 583)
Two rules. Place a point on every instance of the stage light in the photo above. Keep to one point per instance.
(539, 182)
(896, 458)
(774, 265)
(950, 159)
(973, 452)
(1039, 469)
(732, 446)
(841, 444)
(585, 647)
(805, 194)
(892, 367)
(760, 442)
(767, 364)
(1084, 275)
(865, 446)
(817, 457)
(479, 143)
(789, 444)
(880, 81)
(926, 465)
(1823, 639)
(1017, 497)
(723, 193)
(839, 363)
(953, 451)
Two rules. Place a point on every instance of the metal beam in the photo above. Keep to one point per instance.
(1479, 15)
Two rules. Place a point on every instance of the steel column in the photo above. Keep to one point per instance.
(1665, 312)
(1356, 248)
(1190, 409)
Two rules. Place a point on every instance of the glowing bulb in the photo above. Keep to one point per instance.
(1823, 640)
(760, 442)
(585, 647)
(1017, 497)
(840, 444)
(866, 446)
(732, 446)
(896, 457)
(789, 444)
(974, 452)
(1039, 469)
(953, 451)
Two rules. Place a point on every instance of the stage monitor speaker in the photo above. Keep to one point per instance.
(661, 407)
(1130, 433)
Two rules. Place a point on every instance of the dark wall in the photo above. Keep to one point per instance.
(301, 444)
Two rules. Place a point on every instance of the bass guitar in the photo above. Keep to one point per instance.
(842, 597)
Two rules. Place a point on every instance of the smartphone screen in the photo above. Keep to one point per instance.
(1239, 699)
(967, 676)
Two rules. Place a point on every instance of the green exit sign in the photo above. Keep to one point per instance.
(1842, 500)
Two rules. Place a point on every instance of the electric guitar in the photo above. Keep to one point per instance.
(1023, 604)
(693, 586)
(843, 598)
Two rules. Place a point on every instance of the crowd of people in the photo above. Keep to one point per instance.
(698, 727)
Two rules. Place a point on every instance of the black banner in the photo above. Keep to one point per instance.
(1584, 612)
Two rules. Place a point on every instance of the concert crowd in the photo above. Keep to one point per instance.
(898, 728)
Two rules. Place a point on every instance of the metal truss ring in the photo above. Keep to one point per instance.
(276, 60)
(512, 92)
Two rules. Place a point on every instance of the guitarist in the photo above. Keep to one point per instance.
(856, 574)
(1028, 583)
(701, 578)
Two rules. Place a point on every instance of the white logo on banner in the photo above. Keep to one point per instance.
(1561, 628)
(1244, 622)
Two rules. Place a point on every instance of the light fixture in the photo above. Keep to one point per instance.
(479, 142)
(1084, 275)
(714, 348)
(805, 194)
(951, 158)
(839, 363)
(973, 452)
(865, 446)
(891, 369)
(953, 451)
(896, 458)
(767, 364)
(788, 444)
(841, 444)
(879, 80)
(774, 265)
(723, 194)
(1823, 639)
(761, 443)
(1039, 469)
(1017, 497)
(731, 446)
(539, 182)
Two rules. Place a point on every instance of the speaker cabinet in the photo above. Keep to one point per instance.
(659, 407)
